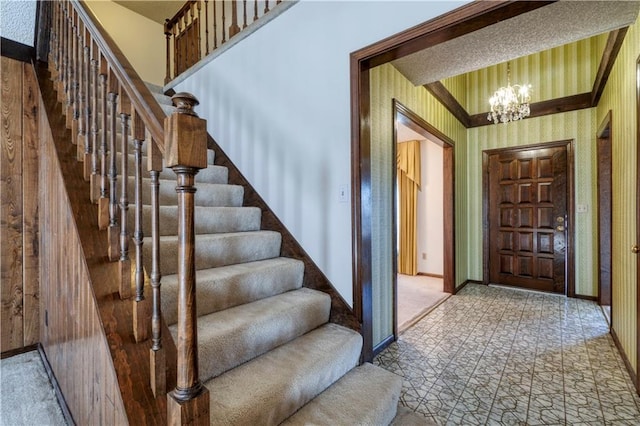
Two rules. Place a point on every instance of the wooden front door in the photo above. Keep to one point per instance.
(527, 217)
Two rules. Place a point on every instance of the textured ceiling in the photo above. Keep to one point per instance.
(155, 10)
(541, 29)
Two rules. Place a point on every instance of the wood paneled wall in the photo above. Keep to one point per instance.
(19, 208)
(72, 333)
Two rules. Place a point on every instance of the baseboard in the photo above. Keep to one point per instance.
(18, 351)
(383, 345)
(428, 274)
(56, 388)
(627, 364)
(18, 51)
(583, 297)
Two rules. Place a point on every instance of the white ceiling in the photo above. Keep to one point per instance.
(405, 134)
(153, 9)
(541, 29)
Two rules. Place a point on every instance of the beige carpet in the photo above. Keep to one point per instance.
(417, 296)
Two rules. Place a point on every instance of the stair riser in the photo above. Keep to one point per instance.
(225, 288)
(212, 174)
(207, 195)
(234, 336)
(221, 250)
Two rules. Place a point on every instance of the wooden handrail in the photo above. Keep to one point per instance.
(143, 101)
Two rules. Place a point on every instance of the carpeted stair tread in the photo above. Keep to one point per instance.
(212, 174)
(233, 336)
(270, 388)
(207, 194)
(208, 220)
(233, 285)
(213, 250)
(367, 395)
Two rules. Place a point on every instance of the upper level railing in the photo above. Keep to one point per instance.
(188, 39)
(106, 103)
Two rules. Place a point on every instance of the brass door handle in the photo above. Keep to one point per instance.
(635, 249)
(560, 228)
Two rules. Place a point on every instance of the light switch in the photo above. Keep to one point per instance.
(582, 208)
(343, 194)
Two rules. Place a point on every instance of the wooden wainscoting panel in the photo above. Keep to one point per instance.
(72, 335)
(11, 190)
(30, 246)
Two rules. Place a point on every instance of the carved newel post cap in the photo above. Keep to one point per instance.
(185, 102)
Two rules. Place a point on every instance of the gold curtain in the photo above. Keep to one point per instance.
(408, 163)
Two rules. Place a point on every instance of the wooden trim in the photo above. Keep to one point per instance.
(463, 20)
(604, 206)
(66, 413)
(19, 351)
(442, 95)
(313, 277)
(609, 55)
(539, 109)
(638, 222)
(429, 274)
(384, 344)
(402, 114)
(18, 51)
(458, 22)
(585, 297)
(625, 358)
(570, 259)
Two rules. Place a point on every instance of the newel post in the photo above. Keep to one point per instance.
(186, 154)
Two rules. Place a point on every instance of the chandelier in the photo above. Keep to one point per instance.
(510, 103)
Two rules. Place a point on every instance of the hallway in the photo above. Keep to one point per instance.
(504, 357)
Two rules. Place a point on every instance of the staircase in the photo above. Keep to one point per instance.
(267, 351)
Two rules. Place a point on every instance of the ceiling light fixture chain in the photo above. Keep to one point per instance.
(510, 103)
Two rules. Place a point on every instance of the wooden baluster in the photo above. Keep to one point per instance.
(82, 94)
(198, 50)
(224, 30)
(234, 28)
(75, 88)
(103, 201)
(69, 71)
(53, 46)
(84, 155)
(266, 6)
(206, 26)
(167, 35)
(125, 263)
(244, 14)
(255, 10)
(95, 130)
(278, 2)
(215, 25)
(113, 234)
(157, 355)
(188, 403)
(174, 30)
(141, 306)
(191, 49)
(62, 57)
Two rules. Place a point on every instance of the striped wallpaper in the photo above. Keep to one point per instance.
(386, 84)
(620, 97)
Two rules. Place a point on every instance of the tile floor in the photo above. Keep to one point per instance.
(496, 356)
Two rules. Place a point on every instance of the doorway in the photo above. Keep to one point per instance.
(528, 214)
(605, 188)
(428, 278)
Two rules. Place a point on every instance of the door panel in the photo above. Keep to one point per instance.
(528, 218)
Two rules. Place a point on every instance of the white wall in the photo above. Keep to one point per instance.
(279, 105)
(430, 214)
(141, 40)
(18, 20)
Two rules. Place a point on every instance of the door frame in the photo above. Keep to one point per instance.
(604, 167)
(403, 115)
(570, 259)
(638, 224)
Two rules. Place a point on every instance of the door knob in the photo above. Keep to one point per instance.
(560, 228)
(635, 249)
